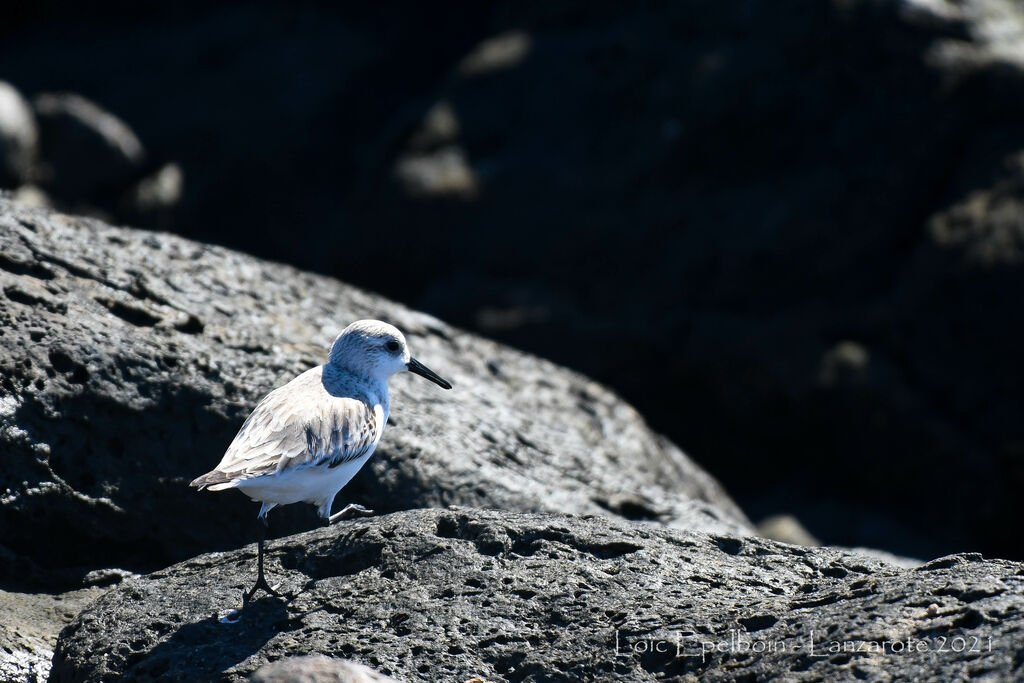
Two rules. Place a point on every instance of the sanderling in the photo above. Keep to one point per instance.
(307, 439)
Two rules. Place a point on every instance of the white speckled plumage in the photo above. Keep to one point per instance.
(308, 438)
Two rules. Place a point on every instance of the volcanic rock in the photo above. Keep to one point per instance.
(131, 359)
(449, 595)
(87, 152)
(807, 216)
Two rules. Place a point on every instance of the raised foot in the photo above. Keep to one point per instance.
(349, 510)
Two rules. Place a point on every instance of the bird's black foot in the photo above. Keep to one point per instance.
(261, 584)
(349, 510)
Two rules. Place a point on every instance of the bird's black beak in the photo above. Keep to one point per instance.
(422, 370)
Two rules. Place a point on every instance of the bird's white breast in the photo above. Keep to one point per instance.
(315, 484)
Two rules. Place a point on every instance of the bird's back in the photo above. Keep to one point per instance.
(323, 417)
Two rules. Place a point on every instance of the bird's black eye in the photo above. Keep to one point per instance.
(392, 345)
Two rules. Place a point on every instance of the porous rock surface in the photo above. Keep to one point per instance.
(29, 624)
(131, 358)
(448, 595)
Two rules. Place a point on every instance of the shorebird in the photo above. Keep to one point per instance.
(307, 439)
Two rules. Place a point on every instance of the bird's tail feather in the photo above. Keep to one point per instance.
(215, 481)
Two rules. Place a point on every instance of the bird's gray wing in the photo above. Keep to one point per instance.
(293, 428)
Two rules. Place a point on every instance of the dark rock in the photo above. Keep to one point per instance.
(28, 631)
(87, 153)
(314, 669)
(132, 358)
(435, 595)
(24, 658)
(753, 190)
(19, 138)
(818, 235)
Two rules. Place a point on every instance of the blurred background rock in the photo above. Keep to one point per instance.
(790, 233)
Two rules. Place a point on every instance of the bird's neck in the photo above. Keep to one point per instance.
(373, 388)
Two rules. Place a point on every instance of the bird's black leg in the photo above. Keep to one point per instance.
(261, 581)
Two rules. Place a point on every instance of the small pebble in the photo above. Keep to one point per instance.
(229, 616)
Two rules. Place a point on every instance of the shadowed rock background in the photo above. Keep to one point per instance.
(131, 359)
(789, 233)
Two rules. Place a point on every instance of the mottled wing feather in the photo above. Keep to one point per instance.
(299, 425)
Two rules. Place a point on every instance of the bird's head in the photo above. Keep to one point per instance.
(375, 349)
